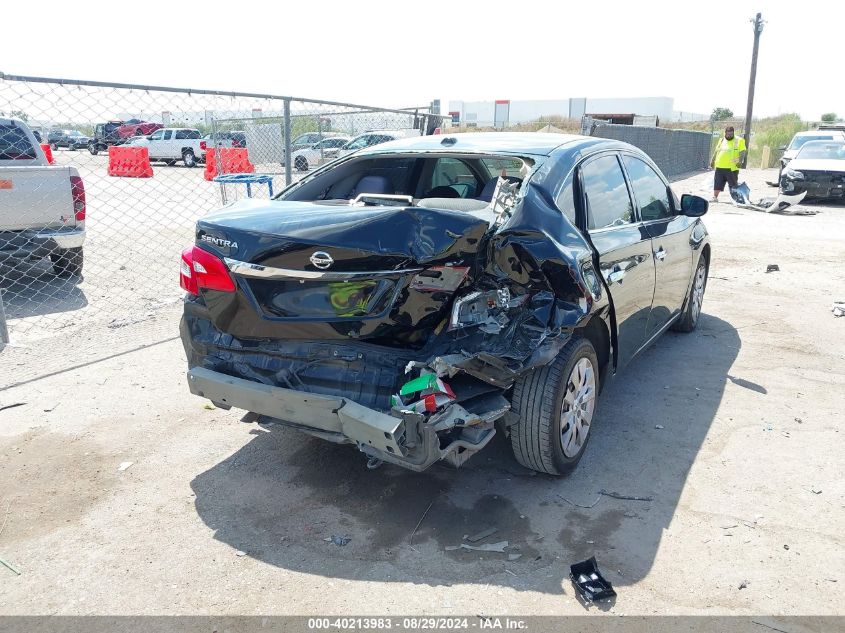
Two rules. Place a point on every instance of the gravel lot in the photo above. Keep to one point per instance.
(734, 431)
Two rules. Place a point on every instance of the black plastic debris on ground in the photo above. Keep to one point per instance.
(589, 582)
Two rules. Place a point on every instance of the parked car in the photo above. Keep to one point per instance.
(790, 151)
(42, 206)
(375, 137)
(235, 139)
(105, 135)
(411, 300)
(72, 139)
(304, 159)
(817, 169)
(172, 144)
(136, 127)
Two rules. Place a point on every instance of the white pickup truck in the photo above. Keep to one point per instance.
(42, 207)
(171, 144)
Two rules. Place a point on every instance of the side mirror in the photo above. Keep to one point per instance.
(693, 206)
(782, 149)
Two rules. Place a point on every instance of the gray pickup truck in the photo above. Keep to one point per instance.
(42, 207)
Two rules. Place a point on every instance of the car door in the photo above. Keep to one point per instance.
(624, 248)
(155, 143)
(670, 239)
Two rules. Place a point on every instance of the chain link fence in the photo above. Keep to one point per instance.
(676, 152)
(90, 244)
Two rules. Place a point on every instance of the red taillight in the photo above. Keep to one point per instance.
(200, 269)
(203, 145)
(77, 193)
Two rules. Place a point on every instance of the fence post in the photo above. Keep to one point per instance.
(288, 174)
(4, 330)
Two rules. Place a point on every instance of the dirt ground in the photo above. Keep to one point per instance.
(733, 431)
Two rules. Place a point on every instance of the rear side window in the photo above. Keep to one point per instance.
(566, 201)
(14, 144)
(608, 202)
(649, 190)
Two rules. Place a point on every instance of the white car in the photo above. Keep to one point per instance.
(374, 137)
(818, 171)
(805, 137)
(171, 144)
(305, 159)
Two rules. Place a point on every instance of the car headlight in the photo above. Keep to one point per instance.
(793, 174)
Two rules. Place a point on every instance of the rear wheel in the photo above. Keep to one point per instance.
(555, 405)
(188, 158)
(93, 149)
(692, 310)
(301, 163)
(67, 263)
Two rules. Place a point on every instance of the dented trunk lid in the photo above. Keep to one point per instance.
(330, 271)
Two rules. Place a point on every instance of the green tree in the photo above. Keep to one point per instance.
(829, 117)
(721, 114)
(16, 114)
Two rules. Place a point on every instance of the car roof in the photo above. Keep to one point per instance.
(529, 143)
(833, 133)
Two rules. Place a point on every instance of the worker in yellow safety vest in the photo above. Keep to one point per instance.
(729, 155)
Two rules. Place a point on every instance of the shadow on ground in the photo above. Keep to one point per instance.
(35, 290)
(280, 496)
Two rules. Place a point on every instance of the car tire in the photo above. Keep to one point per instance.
(189, 159)
(67, 263)
(301, 163)
(688, 320)
(93, 149)
(54, 147)
(556, 408)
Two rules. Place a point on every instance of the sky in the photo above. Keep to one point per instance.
(402, 54)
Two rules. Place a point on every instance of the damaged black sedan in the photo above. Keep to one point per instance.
(416, 298)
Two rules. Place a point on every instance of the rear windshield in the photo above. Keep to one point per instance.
(14, 144)
(418, 176)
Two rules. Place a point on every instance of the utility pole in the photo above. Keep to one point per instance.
(758, 28)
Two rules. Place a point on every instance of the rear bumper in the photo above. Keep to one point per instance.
(339, 417)
(37, 244)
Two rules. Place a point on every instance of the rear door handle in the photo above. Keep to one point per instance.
(661, 254)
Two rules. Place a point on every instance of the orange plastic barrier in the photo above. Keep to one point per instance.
(48, 153)
(130, 162)
(210, 163)
(236, 161)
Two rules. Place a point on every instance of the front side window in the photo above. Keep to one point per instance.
(156, 136)
(649, 190)
(606, 194)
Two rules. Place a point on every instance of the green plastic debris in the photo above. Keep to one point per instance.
(10, 566)
(425, 381)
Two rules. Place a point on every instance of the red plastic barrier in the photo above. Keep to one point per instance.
(48, 153)
(210, 163)
(130, 162)
(236, 161)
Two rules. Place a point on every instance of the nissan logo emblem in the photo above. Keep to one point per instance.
(321, 260)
